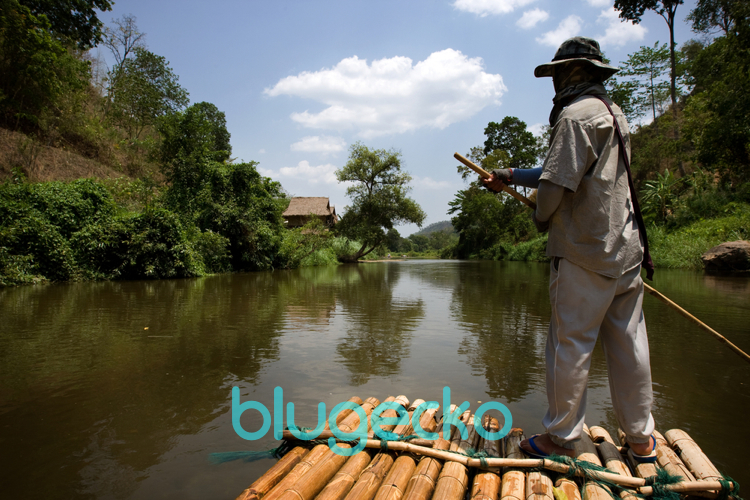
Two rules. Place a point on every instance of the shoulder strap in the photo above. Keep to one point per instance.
(647, 262)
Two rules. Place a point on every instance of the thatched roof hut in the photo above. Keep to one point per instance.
(302, 208)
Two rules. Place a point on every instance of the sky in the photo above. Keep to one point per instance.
(301, 81)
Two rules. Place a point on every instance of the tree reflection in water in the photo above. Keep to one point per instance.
(379, 328)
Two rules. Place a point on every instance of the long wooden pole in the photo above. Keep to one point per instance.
(515, 194)
(485, 175)
(717, 335)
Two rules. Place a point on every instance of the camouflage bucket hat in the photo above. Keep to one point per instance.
(577, 50)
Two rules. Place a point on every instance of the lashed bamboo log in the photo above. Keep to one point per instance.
(402, 400)
(369, 481)
(422, 482)
(309, 479)
(274, 475)
(539, 486)
(692, 455)
(514, 481)
(395, 484)
(585, 450)
(345, 478)
(312, 458)
(311, 483)
(372, 477)
(612, 459)
(486, 484)
(599, 435)
(669, 461)
(287, 435)
(344, 413)
(454, 477)
(568, 487)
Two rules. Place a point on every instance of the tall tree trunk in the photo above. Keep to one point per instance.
(673, 84)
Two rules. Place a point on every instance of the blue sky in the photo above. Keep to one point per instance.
(300, 81)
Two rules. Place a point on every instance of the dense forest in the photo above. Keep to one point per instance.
(177, 205)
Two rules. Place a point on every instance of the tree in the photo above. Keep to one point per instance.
(37, 72)
(633, 10)
(145, 90)
(122, 41)
(512, 137)
(379, 198)
(199, 130)
(74, 20)
(711, 14)
(647, 66)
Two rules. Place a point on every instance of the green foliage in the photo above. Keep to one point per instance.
(660, 196)
(512, 137)
(38, 75)
(711, 14)
(232, 200)
(378, 195)
(485, 219)
(301, 243)
(144, 89)
(682, 247)
(199, 131)
(74, 20)
(67, 231)
(716, 115)
(648, 67)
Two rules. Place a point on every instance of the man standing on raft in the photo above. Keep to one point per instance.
(597, 243)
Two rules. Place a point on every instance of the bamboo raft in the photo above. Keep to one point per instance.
(473, 468)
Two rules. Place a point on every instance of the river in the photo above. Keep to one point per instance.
(122, 389)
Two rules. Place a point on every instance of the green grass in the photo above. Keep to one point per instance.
(683, 247)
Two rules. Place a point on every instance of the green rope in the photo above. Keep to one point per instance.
(729, 487)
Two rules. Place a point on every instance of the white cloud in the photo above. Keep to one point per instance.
(262, 151)
(429, 183)
(600, 3)
(531, 18)
(618, 33)
(537, 128)
(486, 7)
(325, 144)
(325, 174)
(393, 95)
(568, 27)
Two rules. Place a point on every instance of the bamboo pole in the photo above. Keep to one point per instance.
(274, 475)
(599, 435)
(344, 413)
(698, 322)
(395, 484)
(539, 486)
(454, 477)
(668, 459)
(513, 485)
(486, 485)
(302, 468)
(612, 459)
(402, 400)
(585, 450)
(345, 478)
(422, 482)
(485, 175)
(651, 290)
(692, 455)
(368, 484)
(312, 482)
(570, 488)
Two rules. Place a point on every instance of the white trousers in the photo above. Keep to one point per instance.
(586, 305)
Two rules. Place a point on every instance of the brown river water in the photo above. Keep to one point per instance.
(122, 390)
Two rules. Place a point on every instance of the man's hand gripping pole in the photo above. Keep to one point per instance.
(485, 175)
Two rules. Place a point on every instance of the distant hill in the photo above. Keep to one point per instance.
(437, 226)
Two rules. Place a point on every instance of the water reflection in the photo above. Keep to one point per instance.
(379, 329)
